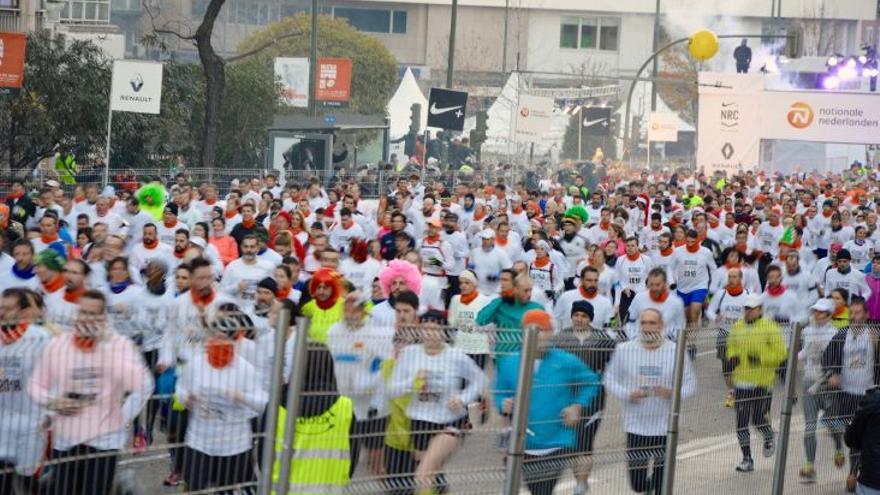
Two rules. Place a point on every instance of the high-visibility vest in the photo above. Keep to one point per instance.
(321, 450)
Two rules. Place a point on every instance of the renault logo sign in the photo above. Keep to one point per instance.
(727, 151)
(137, 82)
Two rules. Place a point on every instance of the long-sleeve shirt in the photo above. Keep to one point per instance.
(487, 266)
(20, 417)
(357, 359)
(219, 425)
(632, 367)
(853, 281)
(112, 382)
(440, 382)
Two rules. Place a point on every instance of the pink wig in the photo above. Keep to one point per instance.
(400, 269)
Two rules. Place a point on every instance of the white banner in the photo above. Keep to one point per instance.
(136, 87)
(534, 115)
(729, 134)
(821, 117)
(662, 127)
(293, 73)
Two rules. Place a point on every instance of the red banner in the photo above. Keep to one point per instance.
(12, 47)
(334, 80)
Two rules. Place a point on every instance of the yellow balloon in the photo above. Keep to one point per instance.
(703, 45)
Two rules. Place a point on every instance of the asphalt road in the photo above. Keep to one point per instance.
(707, 452)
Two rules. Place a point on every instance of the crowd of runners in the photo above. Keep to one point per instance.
(152, 310)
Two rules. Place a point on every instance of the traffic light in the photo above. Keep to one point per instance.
(415, 122)
(478, 135)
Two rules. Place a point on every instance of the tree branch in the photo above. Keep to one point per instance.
(163, 30)
(268, 44)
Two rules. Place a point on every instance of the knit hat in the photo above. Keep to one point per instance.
(51, 260)
(538, 318)
(844, 254)
(583, 307)
(171, 208)
(269, 284)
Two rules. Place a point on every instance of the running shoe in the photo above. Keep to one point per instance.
(839, 459)
(808, 474)
(731, 398)
(769, 447)
(173, 479)
(746, 466)
(140, 443)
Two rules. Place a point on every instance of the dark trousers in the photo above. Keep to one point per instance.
(203, 471)
(10, 481)
(452, 289)
(152, 408)
(752, 406)
(177, 423)
(742, 68)
(541, 473)
(640, 451)
(625, 302)
(93, 475)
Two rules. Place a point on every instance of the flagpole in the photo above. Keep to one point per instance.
(106, 178)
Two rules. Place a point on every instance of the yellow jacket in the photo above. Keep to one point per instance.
(760, 349)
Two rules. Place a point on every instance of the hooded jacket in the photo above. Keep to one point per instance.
(864, 434)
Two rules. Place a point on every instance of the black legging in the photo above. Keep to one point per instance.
(752, 406)
(9, 479)
(541, 473)
(151, 358)
(90, 476)
(640, 451)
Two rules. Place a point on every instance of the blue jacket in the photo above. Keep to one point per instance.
(562, 379)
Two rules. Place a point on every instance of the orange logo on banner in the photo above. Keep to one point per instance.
(800, 116)
(334, 80)
(12, 47)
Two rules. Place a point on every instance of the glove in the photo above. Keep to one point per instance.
(372, 413)
(549, 294)
(492, 278)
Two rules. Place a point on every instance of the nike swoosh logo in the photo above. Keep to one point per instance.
(590, 123)
(439, 111)
(725, 105)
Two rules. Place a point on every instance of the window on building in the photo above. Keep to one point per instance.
(374, 20)
(568, 33)
(86, 11)
(590, 33)
(8, 4)
(608, 39)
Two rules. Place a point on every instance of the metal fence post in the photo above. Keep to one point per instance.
(271, 427)
(674, 413)
(787, 405)
(516, 448)
(294, 391)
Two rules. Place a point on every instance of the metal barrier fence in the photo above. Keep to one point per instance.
(426, 414)
(372, 182)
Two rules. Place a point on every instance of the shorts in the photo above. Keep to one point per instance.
(695, 296)
(585, 433)
(370, 433)
(424, 431)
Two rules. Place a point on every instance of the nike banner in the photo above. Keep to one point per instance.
(729, 137)
(447, 108)
(136, 87)
(597, 121)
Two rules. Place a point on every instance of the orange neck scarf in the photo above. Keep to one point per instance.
(54, 284)
(72, 296)
(661, 298)
(220, 352)
(200, 300)
(468, 298)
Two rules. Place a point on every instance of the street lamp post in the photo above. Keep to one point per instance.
(313, 66)
(652, 57)
(450, 61)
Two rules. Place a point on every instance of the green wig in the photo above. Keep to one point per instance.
(579, 212)
(151, 197)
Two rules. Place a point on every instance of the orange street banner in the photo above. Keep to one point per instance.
(334, 81)
(12, 47)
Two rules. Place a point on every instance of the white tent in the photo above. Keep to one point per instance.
(400, 105)
(501, 136)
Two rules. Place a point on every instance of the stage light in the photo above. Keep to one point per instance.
(833, 61)
(852, 63)
(848, 72)
(831, 82)
(863, 59)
